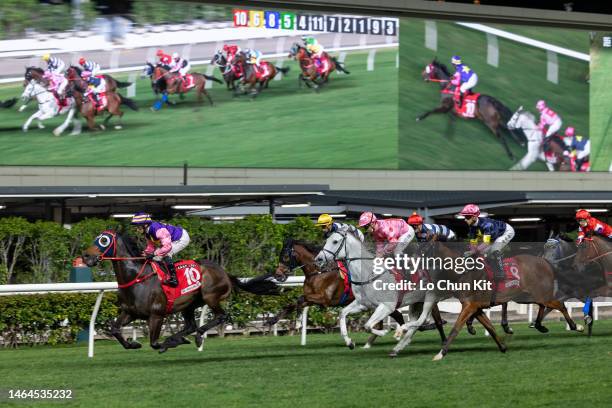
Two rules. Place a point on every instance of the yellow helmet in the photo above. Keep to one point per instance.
(46, 57)
(324, 220)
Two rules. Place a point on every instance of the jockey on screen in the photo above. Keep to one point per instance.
(182, 66)
(580, 147)
(164, 58)
(464, 78)
(230, 52)
(89, 65)
(54, 64)
(548, 118)
(253, 56)
(171, 240)
(57, 85)
(316, 51)
(392, 235)
(329, 226)
(97, 88)
(495, 236)
(427, 232)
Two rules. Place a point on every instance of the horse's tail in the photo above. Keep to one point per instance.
(340, 66)
(506, 114)
(121, 84)
(260, 285)
(212, 78)
(8, 103)
(128, 102)
(284, 70)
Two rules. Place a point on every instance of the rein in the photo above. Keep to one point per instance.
(139, 278)
(348, 261)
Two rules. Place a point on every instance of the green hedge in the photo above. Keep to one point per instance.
(41, 252)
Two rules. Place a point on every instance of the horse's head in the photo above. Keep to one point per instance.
(73, 73)
(552, 250)
(147, 70)
(591, 249)
(287, 261)
(218, 59)
(435, 71)
(104, 246)
(335, 249)
(33, 73)
(513, 123)
(31, 89)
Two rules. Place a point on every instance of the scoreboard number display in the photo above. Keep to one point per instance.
(276, 20)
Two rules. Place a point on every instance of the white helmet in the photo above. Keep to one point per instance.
(175, 56)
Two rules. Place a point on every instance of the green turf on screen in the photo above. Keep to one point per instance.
(601, 106)
(560, 368)
(519, 80)
(351, 123)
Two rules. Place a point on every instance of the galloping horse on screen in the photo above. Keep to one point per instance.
(255, 79)
(310, 75)
(172, 82)
(487, 109)
(323, 287)
(141, 295)
(230, 74)
(596, 253)
(89, 110)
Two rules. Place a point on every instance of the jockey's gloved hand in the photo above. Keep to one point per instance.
(468, 254)
(157, 258)
(149, 256)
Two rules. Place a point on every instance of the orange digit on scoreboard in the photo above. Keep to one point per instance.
(241, 18)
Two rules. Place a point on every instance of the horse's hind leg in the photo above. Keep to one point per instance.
(123, 319)
(560, 306)
(469, 325)
(538, 323)
(220, 317)
(178, 338)
(504, 319)
(208, 97)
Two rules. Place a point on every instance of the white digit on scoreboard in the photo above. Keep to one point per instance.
(332, 24)
(375, 27)
(242, 18)
(390, 27)
(271, 20)
(347, 24)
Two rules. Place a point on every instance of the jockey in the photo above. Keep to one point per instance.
(316, 51)
(172, 239)
(230, 52)
(182, 66)
(392, 234)
(429, 232)
(580, 147)
(497, 231)
(326, 222)
(164, 58)
(253, 56)
(54, 64)
(89, 65)
(97, 88)
(464, 77)
(589, 225)
(57, 85)
(549, 118)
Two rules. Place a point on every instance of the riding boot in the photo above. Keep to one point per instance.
(171, 280)
(496, 262)
(461, 96)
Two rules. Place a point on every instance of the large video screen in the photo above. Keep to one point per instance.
(221, 86)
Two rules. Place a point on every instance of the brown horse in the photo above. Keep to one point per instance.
(488, 110)
(555, 152)
(326, 288)
(309, 73)
(230, 76)
(174, 83)
(595, 252)
(88, 108)
(537, 285)
(141, 295)
(250, 81)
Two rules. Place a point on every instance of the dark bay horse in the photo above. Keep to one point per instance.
(111, 83)
(325, 287)
(489, 110)
(141, 295)
(87, 107)
(172, 83)
(537, 285)
(230, 74)
(594, 256)
(250, 81)
(309, 74)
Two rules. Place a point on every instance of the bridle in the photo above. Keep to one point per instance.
(431, 73)
(598, 256)
(349, 260)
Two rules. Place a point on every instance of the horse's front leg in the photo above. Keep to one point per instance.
(353, 307)
(155, 324)
(26, 125)
(60, 129)
(123, 319)
(439, 109)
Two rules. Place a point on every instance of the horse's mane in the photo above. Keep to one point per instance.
(529, 115)
(130, 244)
(440, 65)
(37, 69)
(77, 69)
(310, 247)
